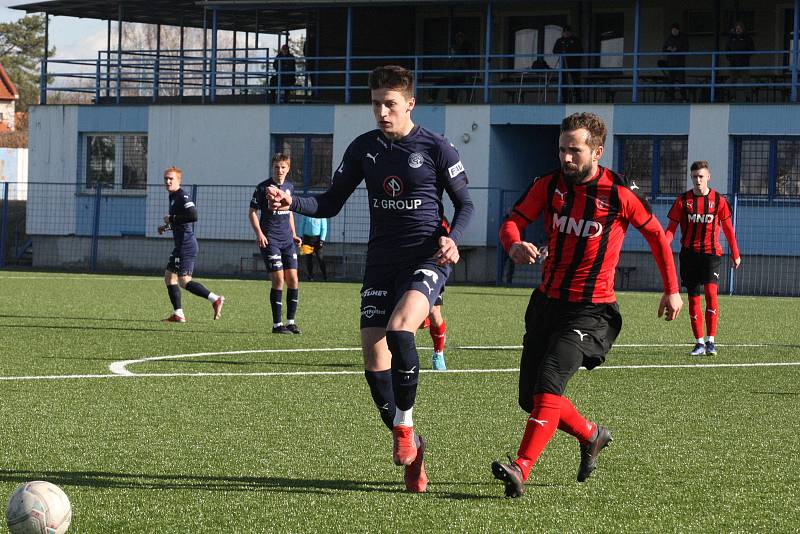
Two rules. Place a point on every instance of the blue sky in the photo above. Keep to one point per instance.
(73, 38)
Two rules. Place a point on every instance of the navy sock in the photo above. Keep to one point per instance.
(196, 288)
(380, 386)
(405, 367)
(174, 291)
(276, 302)
(292, 299)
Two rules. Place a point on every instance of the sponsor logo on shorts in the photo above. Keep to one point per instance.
(415, 160)
(371, 311)
(456, 169)
(370, 292)
(581, 334)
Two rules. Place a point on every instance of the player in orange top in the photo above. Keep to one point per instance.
(700, 212)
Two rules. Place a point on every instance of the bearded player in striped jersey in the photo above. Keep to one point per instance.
(573, 318)
(700, 212)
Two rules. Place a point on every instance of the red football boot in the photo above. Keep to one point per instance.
(174, 319)
(217, 305)
(404, 451)
(415, 477)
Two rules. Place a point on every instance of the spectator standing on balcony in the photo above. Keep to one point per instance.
(314, 232)
(277, 241)
(180, 221)
(700, 212)
(739, 41)
(569, 43)
(674, 62)
(460, 60)
(285, 72)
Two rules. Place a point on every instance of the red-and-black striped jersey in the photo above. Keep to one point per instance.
(700, 218)
(585, 226)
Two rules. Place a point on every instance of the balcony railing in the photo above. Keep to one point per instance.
(249, 75)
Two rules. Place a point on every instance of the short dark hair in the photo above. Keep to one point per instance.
(566, 28)
(591, 122)
(675, 25)
(281, 156)
(392, 77)
(700, 164)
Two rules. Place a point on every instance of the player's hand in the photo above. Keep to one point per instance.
(280, 200)
(523, 253)
(737, 262)
(166, 220)
(670, 306)
(297, 240)
(319, 245)
(162, 229)
(448, 252)
(261, 239)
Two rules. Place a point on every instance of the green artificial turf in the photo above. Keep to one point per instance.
(260, 433)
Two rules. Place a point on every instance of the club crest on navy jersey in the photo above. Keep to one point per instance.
(415, 160)
(393, 186)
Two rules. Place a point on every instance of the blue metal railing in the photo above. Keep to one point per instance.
(602, 77)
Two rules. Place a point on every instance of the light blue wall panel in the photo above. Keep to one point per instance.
(547, 114)
(431, 117)
(112, 118)
(119, 215)
(764, 120)
(652, 119)
(301, 119)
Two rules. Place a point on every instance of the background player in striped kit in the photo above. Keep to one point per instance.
(573, 318)
(182, 214)
(700, 212)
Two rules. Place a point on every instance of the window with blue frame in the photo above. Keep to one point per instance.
(117, 161)
(658, 164)
(311, 159)
(767, 167)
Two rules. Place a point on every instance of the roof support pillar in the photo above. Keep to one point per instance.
(213, 88)
(348, 54)
(43, 73)
(119, 52)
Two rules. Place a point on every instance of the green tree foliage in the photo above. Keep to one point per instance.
(21, 46)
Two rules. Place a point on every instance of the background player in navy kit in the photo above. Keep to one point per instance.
(409, 257)
(277, 240)
(700, 212)
(182, 213)
(573, 318)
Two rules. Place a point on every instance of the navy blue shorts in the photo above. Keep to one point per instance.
(384, 285)
(181, 265)
(279, 258)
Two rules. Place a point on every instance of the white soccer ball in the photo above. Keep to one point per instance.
(38, 508)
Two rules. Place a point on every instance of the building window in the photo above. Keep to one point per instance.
(767, 167)
(117, 161)
(312, 157)
(658, 165)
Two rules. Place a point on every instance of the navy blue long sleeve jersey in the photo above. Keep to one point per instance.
(405, 180)
(182, 213)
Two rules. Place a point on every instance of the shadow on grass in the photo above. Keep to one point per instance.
(141, 481)
(167, 329)
(354, 365)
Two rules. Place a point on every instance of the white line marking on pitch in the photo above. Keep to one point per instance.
(119, 369)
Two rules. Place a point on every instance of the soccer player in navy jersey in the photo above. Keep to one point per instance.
(182, 214)
(700, 212)
(277, 240)
(573, 318)
(409, 255)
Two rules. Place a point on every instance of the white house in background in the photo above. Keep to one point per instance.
(8, 101)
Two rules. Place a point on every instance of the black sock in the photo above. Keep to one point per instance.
(174, 291)
(322, 267)
(292, 299)
(276, 301)
(405, 367)
(196, 288)
(380, 386)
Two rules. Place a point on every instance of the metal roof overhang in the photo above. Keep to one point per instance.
(274, 16)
